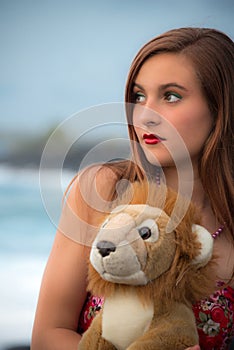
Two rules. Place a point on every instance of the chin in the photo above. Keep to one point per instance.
(158, 159)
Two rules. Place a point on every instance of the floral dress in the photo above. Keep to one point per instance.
(91, 307)
(214, 318)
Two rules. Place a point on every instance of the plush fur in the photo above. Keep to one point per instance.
(149, 283)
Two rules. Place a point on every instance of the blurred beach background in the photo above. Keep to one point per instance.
(63, 67)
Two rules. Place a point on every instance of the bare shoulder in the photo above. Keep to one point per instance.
(87, 202)
(100, 172)
(90, 181)
(96, 185)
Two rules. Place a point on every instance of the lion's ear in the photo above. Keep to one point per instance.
(206, 240)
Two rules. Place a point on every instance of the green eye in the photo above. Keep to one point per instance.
(139, 97)
(173, 97)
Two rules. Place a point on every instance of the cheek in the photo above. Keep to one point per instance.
(138, 132)
(195, 130)
(136, 123)
(138, 128)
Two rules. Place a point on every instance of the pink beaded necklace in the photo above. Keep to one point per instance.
(217, 233)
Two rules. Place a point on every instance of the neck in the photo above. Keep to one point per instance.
(191, 187)
(188, 183)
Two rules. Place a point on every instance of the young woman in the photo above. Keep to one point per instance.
(180, 83)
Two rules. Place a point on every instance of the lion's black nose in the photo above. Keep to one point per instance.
(105, 248)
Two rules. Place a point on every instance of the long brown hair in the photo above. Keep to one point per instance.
(212, 55)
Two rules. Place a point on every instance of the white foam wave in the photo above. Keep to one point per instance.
(31, 177)
(20, 283)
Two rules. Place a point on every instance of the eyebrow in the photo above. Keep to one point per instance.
(163, 86)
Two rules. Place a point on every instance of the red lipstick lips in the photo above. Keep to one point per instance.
(151, 139)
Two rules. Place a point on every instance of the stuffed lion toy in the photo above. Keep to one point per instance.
(149, 268)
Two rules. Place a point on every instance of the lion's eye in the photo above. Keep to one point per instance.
(148, 230)
(145, 232)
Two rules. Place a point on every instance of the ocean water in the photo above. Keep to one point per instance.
(26, 237)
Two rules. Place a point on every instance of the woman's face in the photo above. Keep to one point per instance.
(171, 117)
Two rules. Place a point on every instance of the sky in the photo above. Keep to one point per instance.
(59, 57)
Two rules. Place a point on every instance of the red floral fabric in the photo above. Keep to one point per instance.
(214, 318)
(91, 307)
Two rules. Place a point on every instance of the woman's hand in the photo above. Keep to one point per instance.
(195, 347)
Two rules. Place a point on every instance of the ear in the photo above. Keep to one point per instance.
(206, 240)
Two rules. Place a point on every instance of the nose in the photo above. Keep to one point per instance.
(145, 116)
(105, 248)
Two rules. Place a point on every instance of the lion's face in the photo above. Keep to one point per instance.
(132, 246)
